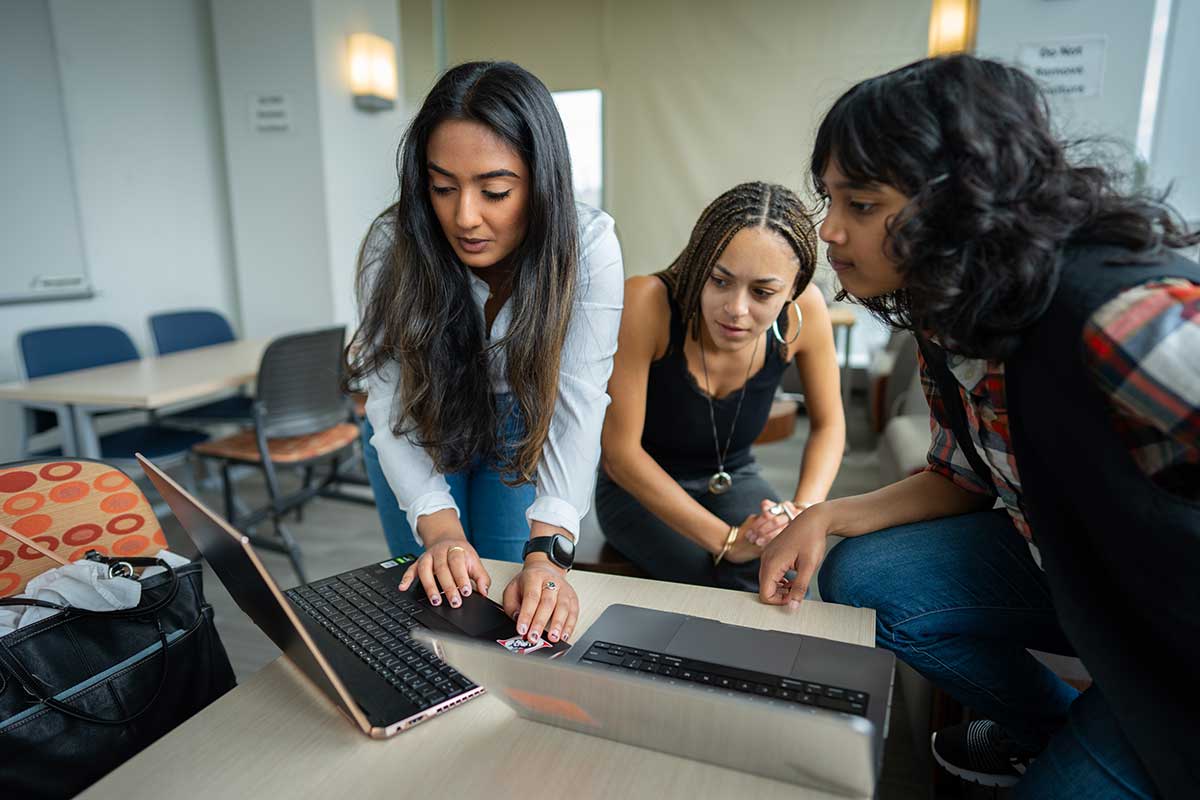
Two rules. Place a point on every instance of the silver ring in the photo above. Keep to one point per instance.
(551, 585)
(780, 508)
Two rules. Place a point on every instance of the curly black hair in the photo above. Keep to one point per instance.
(993, 198)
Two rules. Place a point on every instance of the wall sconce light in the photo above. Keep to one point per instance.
(372, 72)
(952, 26)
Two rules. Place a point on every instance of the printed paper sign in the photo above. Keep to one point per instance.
(1066, 67)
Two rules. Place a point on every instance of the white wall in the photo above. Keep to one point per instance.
(141, 115)
(301, 199)
(358, 148)
(276, 194)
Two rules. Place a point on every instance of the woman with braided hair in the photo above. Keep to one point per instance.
(701, 350)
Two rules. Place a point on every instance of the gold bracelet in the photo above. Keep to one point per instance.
(729, 540)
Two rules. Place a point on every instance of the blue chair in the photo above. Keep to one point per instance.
(51, 351)
(174, 331)
(186, 330)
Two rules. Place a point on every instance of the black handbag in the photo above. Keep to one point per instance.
(83, 691)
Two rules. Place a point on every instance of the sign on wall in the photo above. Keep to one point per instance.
(270, 113)
(1066, 67)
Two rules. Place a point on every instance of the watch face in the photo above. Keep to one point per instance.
(564, 551)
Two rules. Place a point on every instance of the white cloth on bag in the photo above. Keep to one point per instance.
(81, 584)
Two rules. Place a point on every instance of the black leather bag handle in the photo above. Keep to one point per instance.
(33, 687)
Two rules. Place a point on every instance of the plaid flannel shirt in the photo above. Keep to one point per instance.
(1143, 349)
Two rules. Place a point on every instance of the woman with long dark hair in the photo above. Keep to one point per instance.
(702, 348)
(490, 305)
(1059, 333)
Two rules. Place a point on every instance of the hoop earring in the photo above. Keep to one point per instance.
(799, 323)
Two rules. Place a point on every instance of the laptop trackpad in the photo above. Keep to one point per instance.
(772, 652)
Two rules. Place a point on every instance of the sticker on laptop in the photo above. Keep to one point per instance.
(518, 644)
(395, 562)
(388, 564)
(550, 706)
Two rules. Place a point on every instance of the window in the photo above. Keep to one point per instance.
(582, 116)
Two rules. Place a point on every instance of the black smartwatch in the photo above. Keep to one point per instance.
(559, 548)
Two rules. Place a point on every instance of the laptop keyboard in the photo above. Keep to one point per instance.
(731, 679)
(357, 610)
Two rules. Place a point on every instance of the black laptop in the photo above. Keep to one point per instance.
(349, 633)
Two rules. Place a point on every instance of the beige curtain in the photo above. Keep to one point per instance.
(698, 95)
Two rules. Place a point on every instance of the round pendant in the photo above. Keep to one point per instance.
(720, 482)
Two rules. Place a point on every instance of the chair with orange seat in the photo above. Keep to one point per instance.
(69, 507)
(300, 421)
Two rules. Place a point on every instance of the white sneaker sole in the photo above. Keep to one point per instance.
(981, 778)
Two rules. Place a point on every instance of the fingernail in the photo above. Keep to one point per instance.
(554, 636)
(537, 637)
(522, 628)
(793, 604)
(466, 590)
(455, 602)
(435, 601)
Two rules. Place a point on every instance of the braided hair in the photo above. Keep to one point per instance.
(748, 205)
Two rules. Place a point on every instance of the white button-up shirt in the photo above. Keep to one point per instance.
(566, 474)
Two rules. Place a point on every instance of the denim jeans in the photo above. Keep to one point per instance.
(492, 514)
(960, 599)
(666, 555)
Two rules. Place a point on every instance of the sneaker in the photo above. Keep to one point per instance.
(981, 752)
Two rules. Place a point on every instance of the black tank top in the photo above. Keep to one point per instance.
(678, 432)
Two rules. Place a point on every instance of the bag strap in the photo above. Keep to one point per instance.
(935, 358)
(31, 684)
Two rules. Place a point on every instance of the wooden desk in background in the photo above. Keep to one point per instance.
(277, 736)
(147, 384)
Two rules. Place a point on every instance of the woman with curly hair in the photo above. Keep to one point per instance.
(1059, 333)
(702, 348)
(491, 302)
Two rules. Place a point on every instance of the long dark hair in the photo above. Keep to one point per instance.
(747, 205)
(415, 292)
(994, 199)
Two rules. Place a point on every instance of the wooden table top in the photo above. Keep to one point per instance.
(277, 736)
(841, 315)
(148, 383)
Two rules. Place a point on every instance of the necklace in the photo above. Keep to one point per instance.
(721, 481)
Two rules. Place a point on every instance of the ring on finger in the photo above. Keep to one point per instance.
(452, 549)
(550, 585)
(780, 509)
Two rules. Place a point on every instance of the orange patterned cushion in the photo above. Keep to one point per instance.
(70, 507)
(286, 450)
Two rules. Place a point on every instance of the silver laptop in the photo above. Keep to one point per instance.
(794, 708)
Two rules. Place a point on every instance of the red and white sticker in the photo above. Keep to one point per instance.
(518, 644)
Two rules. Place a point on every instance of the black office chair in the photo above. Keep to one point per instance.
(300, 421)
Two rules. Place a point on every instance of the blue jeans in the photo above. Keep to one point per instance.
(492, 514)
(960, 599)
